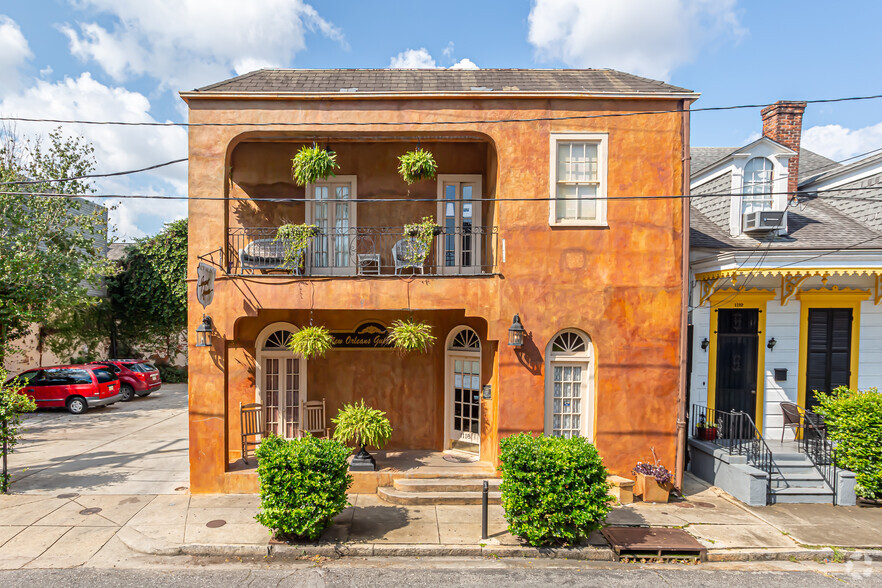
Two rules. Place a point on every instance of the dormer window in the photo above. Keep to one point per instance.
(757, 187)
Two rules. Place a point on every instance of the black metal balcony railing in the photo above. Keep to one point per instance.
(737, 434)
(364, 251)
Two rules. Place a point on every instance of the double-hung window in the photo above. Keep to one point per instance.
(578, 179)
(757, 188)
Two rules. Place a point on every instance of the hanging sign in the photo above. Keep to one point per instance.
(205, 275)
(367, 335)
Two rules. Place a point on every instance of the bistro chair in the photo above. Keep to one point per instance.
(409, 253)
(251, 422)
(312, 418)
(792, 419)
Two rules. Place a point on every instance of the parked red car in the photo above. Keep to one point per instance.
(75, 387)
(136, 377)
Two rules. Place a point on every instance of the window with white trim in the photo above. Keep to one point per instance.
(569, 380)
(757, 186)
(578, 179)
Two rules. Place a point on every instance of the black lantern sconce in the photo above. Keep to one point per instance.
(704, 344)
(772, 344)
(516, 333)
(203, 332)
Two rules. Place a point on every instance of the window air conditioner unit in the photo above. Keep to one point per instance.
(765, 220)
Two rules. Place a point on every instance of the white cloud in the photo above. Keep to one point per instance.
(464, 63)
(14, 52)
(838, 142)
(413, 59)
(448, 51)
(644, 37)
(422, 59)
(116, 148)
(187, 43)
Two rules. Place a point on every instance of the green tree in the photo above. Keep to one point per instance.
(12, 405)
(52, 247)
(149, 293)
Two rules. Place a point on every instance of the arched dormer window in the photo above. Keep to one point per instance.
(757, 186)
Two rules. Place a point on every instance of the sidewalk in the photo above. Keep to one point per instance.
(44, 531)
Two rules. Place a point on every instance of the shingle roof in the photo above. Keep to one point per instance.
(459, 81)
(814, 225)
(703, 157)
(822, 172)
(811, 164)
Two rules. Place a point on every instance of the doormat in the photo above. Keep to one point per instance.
(460, 459)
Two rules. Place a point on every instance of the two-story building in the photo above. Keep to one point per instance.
(541, 197)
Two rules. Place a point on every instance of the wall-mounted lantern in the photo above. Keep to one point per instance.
(203, 332)
(704, 344)
(772, 344)
(516, 332)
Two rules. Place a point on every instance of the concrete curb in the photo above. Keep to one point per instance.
(137, 541)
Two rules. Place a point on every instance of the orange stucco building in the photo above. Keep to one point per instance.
(537, 194)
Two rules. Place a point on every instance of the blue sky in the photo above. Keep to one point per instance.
(127, 59)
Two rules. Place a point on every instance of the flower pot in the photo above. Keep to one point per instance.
(363, 462)
(707, 434)
(651, 490)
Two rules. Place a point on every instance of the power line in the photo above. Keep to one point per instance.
(422, 123)
(90, 176)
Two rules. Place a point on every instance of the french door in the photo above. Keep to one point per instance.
(464, 396)
(283, 390)
(828, 364)
(459, 213)
(331, 209)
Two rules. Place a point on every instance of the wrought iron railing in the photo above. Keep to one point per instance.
(364, 251)
(820, 450)
(736, 433)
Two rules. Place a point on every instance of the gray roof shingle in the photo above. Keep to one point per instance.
(458, 81)
(811, 164)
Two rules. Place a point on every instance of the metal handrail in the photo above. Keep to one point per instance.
(819, 449)
(735, 432)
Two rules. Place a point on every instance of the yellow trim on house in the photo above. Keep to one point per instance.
(740, 299)
(790, 271)
(829, 298)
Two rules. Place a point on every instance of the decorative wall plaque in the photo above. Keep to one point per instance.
(368, 335)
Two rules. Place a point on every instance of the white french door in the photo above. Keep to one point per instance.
(283, 390)
(464, 397)
(459, 213)
(333, 211)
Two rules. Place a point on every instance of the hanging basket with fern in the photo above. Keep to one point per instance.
(311, 342)
(417, 165)
(410, 335)
(312, 164)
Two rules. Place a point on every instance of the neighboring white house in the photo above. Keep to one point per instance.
(786, 284)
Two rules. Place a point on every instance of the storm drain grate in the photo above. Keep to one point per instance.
(645, 543)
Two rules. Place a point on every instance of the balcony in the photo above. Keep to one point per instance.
(365, 251)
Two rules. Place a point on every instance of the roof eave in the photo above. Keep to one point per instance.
(187, 96)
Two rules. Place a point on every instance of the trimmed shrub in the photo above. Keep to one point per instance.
(854, 422)
(303, 485)
(171, 374)
(554, 490)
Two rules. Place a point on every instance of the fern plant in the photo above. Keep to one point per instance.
(417, 165)
(295, 239)
(423, 233)
(313, 163)
(311, 342)
(409, 335)
(362, 424)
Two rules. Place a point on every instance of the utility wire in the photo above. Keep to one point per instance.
(90, 176)
(422, 123)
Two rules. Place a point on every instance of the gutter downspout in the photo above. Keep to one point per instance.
(680, 465)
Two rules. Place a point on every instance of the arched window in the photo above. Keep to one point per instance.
(465, 339)
(281, 380)
(569, 386)
(757, 185)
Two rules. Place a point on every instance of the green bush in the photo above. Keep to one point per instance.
(171, 374)
(854, 421)
(554, 490)
(303, 485)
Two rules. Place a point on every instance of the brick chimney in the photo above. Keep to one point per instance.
(782, 122)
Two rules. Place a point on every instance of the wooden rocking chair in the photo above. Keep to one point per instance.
(312, 418)
(252, 425)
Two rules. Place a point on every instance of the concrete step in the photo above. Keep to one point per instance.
(794, 468)
(810, 480)
(802, 496)
(445, 484)
(390, 494)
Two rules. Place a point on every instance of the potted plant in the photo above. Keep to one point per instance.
(421, 234)
(410, 335)
(417, 165)
(313, 163)
(295, 240)
(706, 432)
(366, 426)
(311, 342)
(653, 482)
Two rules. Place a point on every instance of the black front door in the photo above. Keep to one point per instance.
(828, 364)
(737, 341)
